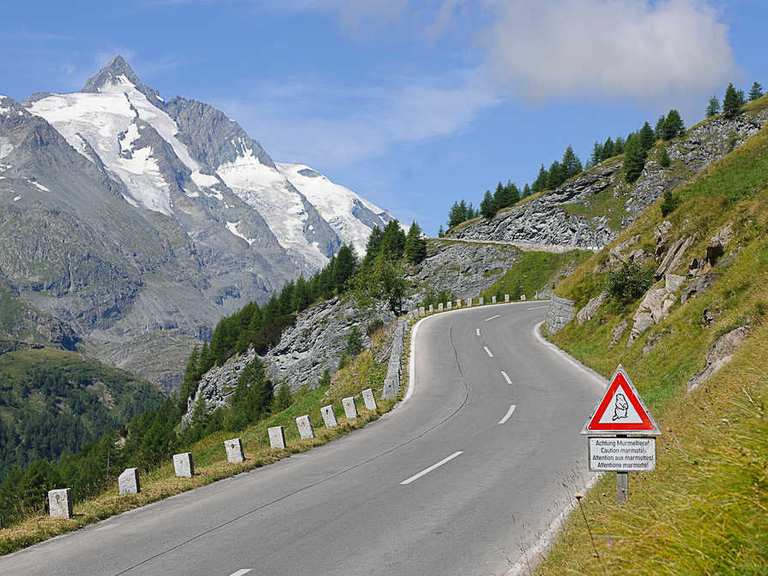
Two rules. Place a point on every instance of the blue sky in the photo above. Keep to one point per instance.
(412, 104)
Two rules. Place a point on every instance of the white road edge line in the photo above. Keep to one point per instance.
(537, 307)
(477, 331)
(241, 572)
(506, 377)
(536, 552)
(508, 415)
(490, 354)
(492, 318)
(431, 468)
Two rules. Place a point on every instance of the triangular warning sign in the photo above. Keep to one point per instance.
(621, 411)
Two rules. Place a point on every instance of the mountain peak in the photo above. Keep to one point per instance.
(117, 71)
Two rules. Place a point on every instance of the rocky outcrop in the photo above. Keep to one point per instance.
(720, 353)
(570, 216)
(464, 269)
(586, 313)
(655, 306)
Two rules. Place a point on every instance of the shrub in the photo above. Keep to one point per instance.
(629, 282)
(669, 203)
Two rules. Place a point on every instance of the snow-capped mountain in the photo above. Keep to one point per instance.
(141, 221)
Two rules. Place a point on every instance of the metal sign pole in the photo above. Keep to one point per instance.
(622, 487)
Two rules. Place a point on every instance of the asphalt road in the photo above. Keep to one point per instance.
(454, 481)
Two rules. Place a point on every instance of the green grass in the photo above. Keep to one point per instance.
(210, 460)
(532, 272)
(705, 509)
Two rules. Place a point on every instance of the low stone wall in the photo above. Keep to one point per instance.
(560, 312)
(392, 380)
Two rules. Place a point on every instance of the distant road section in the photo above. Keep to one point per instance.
(462, 479)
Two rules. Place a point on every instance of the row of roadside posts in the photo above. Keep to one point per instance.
(467, 303)
(60, 501)
(621, 433)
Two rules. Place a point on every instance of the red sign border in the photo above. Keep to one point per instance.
(647, 426)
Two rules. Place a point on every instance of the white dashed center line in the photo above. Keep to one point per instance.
(477, 331)
(508, 415)
(490, 354)
(241, 572)
(506, 377)
(430, 469)
(492, 318)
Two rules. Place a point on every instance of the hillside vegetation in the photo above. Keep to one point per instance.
(705, 509)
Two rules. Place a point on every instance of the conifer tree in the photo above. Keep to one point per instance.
(618, 146)
(609, 149)
(731, 102)
(571, 165)
(755, 92)
(191, 376)
(659, 130)
(541, 180)
(597, 154)
(526, 190)
(345, 266)
(713, 107)
(487, 206)
(282, 397)
(673, 125)
(664, 160)
(415, 244)
(647, 137)
(634, 159)
(440, 232)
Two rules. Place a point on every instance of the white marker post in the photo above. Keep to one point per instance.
(622, 434)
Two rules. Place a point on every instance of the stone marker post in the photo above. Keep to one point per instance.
(522, 297)
(329, 418)
(422, 311)
(350, 410)
(305, 427)
(458, 303)
(431, 308)
(482, 300)
(183, 465)
(450, 305)
(276, 437)
(370, 401)
(493, 299)
(440, 307)
(128, 482)
(469, 301)
(234, 451)
(60, 503)
(506, 297)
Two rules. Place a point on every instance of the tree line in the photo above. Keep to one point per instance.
(733, 101)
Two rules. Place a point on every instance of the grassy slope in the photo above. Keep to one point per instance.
(532, 272)
(210, 461)
(705, 509)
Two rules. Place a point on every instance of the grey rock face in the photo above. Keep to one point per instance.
(112, 73)
(552, 220)
(720, 353)
(586, 313)
(464, 269)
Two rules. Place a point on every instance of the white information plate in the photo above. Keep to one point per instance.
(622, 454)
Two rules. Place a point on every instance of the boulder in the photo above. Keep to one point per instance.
(720, 353)
(586, 313)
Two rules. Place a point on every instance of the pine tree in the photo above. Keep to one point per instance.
(634, 159)
(526, 190)
(618, 146)
(659, 130)
(597, 154)
(457, 214)
(731, 103)
(571, 165)
(755, 92)
(609, 149)
(487, 206)
(673, 125)
(664, 160)
(713, 108)
(393, 241)
(345, 266)
(647, 137)
(191, 376)
(282, 398)
(541, 180)
(415, 244)
(440, 232)
(555, 175)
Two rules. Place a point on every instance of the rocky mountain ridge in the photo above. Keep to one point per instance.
(138, 222)
(590, 210)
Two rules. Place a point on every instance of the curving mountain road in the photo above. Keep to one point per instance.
(455, 481)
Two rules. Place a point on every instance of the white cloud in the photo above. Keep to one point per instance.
(635, 48)
(335, 126)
